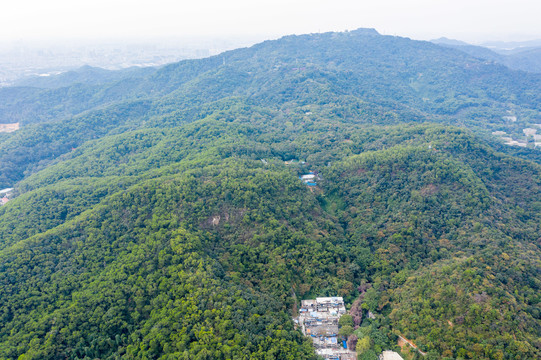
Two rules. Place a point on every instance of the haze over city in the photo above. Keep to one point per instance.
(472, 21)
(44, 38)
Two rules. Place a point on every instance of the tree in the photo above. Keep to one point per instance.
(352, 341)
(362, 345)
(345, 320)
(345, 331)
(368, 355)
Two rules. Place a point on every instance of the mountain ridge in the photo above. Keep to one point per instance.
(518, 57)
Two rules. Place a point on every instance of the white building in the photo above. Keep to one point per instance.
(390, 355)
(5, 191)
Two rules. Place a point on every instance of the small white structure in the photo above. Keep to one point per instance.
(390, 355)
(516, 143)
(510, 118)
(9, 127)
(6, 191)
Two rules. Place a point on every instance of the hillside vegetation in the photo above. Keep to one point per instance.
(166, 222)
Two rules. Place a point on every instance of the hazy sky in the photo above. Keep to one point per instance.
(470, 20)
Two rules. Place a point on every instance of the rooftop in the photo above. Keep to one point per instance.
(390, 355)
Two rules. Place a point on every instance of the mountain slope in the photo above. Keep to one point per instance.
(181, 262)
(348, 70)
(422, 208)
(376, 66)
(173, 225)
(524, 59)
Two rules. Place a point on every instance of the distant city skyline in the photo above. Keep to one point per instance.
(472, 21)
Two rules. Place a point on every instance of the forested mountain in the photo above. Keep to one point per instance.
(353, 73)
(86, 75)
(158, 215)
(525, 59)
(359, 63)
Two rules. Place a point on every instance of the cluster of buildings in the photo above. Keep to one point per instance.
(319, 319)
(531, 138)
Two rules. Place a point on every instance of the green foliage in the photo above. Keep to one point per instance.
(392, 80)
(345, 330)
(345, 320)
(151, 228)
(368, 355)
(363, 345)
(167, 273)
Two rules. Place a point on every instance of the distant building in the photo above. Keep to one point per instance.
(9, 127)
(4, 195)
(510, 118)
(310, 179)
(5, 191)
(516, 143)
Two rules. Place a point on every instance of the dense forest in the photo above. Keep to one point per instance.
(159, 214)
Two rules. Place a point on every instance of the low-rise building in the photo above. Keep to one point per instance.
(319, 319)
(311, 178)
(4, 195)
(308, 177)
(333, 305)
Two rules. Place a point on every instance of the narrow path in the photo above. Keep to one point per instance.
(411, 344)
